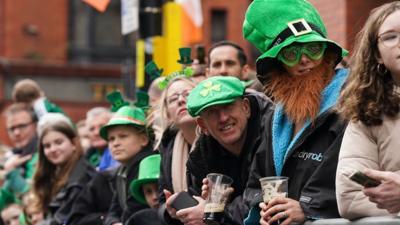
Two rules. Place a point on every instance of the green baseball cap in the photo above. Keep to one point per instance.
(271, 25)
(215, 90)
(126, 115)
(149, 171)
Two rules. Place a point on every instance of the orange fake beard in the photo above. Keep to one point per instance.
(300, 95)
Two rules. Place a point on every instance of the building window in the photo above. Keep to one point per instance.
(96, 37)
(218, 25)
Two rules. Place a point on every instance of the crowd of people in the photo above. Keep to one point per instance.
(303, 117)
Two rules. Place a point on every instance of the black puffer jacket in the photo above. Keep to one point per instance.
(210, 157)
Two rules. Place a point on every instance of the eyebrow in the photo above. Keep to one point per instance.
(388, 31)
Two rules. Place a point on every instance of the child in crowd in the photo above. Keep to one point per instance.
(145, 190)
(13, 215)
(29, 92)
(371, 101)
(33, 214)
(129, 143)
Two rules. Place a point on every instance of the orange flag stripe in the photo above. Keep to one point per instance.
(99, 5)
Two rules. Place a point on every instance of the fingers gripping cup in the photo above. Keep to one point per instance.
(274, 187)
(219, 186)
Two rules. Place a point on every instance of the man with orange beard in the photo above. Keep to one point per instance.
(297, 69)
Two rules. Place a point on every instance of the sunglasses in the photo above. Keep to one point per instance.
(291, 55)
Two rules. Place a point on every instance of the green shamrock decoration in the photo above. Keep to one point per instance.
(209, 87)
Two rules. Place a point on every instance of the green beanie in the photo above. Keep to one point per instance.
(271, 25)
(149, 171)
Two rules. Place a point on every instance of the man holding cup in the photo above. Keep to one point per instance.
(230, 121)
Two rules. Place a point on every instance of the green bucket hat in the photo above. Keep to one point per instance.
(126, 115)
(215, 90)
(271, 25)
(149, 171)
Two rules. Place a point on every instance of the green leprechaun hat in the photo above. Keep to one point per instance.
(116, 100)
(152, 70)
(149, 171)
(126, 115)
(215, 90)
(142, 100)
(185, 53)
(271, 25)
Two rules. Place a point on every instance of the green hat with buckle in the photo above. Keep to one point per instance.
(185, 56)
(149, 171)
(126, 115)
(271, 25)
(215, 90)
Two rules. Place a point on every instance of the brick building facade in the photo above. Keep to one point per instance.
(66, 43)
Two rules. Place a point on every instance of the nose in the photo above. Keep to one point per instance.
(154, 196)
(16, 131)
(223, 116)
(223, 69)
(181, 99)
(304, 59)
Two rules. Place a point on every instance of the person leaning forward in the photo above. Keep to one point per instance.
(230, 122)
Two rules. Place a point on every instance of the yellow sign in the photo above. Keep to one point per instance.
(140, 60)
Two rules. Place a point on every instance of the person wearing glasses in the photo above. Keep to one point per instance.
(178, 139)
(297, 68)
(21, 129)
(371, 102)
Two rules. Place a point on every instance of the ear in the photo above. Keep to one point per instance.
(245, 72)
(144, 140)
(202, 125)
(246, 107)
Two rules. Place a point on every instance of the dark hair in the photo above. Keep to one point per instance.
(49, 178)
(240, 52)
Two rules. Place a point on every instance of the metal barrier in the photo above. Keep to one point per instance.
(364, 221)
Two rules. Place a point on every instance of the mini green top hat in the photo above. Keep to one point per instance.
(215, 90)
(116, 100)
(149, 171)
(142, 100)
(271, 25)
(126, 115)
(152, 69)
(185, 56)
